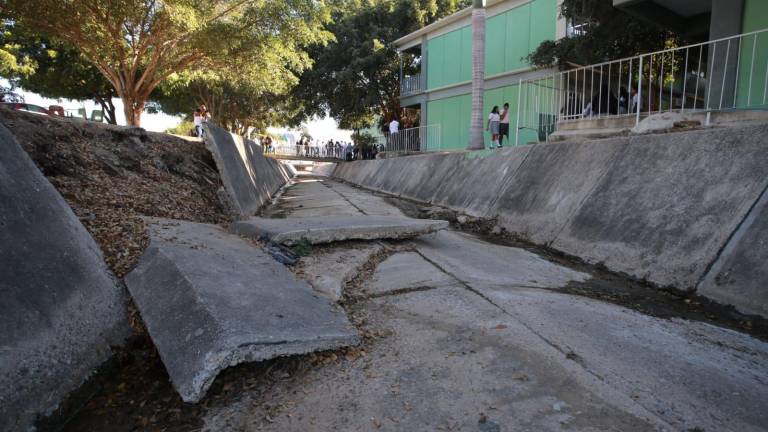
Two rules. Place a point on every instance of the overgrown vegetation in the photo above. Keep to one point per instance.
(603, 33)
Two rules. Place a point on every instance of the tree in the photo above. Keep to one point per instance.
(55, 70)
(476, 139)
(356, 76)
(236, 102)
(137, 44)
(606, 34)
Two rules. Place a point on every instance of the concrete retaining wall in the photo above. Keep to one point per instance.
(662, 207)
(250, 178)
(60, 307)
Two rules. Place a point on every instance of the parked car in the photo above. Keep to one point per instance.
(35, 109)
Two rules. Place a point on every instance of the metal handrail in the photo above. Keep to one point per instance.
(680, 78)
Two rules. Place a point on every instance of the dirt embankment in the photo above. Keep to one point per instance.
(112, 175)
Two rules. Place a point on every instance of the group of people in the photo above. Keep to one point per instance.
(603, 101)
(333, 149)
(200, 116)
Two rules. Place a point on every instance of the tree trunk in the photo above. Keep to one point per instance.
(476, 139)
(108, 108)
(133, 107)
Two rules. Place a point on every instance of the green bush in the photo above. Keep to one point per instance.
(186, 128)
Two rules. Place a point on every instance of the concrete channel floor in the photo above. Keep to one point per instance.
(474, 337)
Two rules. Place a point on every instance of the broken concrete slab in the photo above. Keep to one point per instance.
(211, 300)
(327, 229)
(406, 271)
(328, 271)
(60, 309)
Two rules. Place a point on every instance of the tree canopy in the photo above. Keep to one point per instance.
(606, 33)
(54, 69)
(356, 76)
(137, 44)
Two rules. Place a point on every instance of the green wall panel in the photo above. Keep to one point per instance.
(453, 116)
(510, 37)
(495, 42)
(751, 90)
(543, 22)
(517, 42)
(465, 55)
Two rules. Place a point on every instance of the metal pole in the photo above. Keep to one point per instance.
(725, 74)
(711, 71)
(672, 81)
(517, 121)
(650, 81)
(639, 89)
(751, 69)
(738, 64)
(698, 77)
(685, 80)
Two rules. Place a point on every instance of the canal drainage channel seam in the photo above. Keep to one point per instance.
(571, 355)
(345, 199)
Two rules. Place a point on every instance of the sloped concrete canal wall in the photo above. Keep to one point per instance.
(662, 207)
(60, 307)
(250, 178)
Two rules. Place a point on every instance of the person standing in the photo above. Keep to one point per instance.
(394, 126)
(493, 126)
(197, 118)
(504, 125)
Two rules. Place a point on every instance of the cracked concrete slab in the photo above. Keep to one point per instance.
(328, 271)
(448, 360)
(406, 271)
(328, 229)
(473, 261)
(211, 300)
(672, 368)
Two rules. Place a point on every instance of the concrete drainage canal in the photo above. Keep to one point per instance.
(343, 309)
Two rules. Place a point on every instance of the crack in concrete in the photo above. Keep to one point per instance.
(570, 354)
(344, 197)
(396, 292)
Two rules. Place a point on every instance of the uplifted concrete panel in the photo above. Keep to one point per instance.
(327, 229)
(60, 307)
(211, 300)
(407, 271)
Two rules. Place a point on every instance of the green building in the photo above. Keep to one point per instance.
(440, 90)
(436, 77)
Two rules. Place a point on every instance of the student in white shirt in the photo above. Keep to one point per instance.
(493, 126)
(394, 126)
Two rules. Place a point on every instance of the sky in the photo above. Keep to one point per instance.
(322, 129)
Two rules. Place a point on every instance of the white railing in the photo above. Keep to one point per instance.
(417, 139)
(322, 150)
(410, 84)
(724, 74)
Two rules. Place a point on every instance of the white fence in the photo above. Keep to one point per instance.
(410, 84)
(313, 150)
(418, 139)
(723, 74)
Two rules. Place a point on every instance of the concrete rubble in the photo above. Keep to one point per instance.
(328, 271)
(211, 300)
(317, 230)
